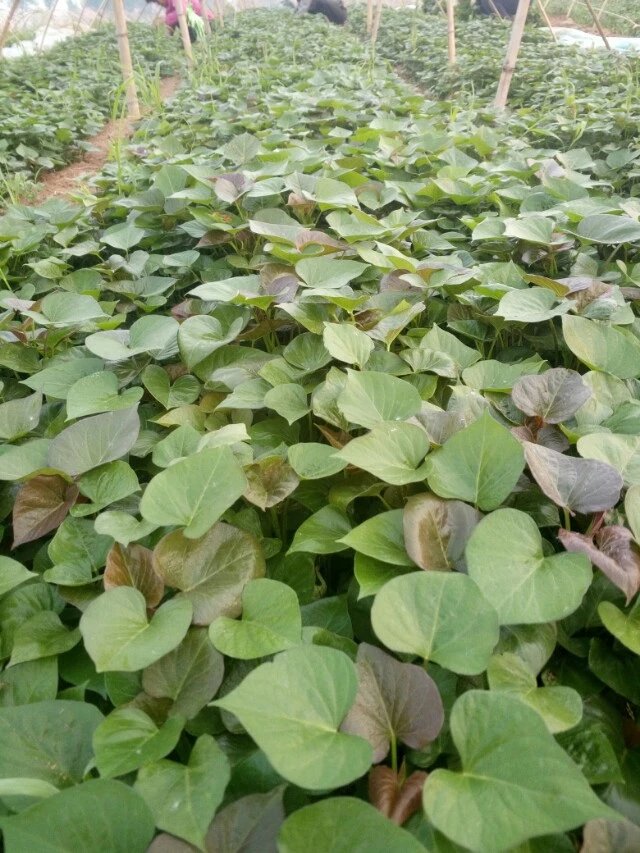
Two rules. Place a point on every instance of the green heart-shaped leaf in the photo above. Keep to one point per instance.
(302, 697)
(271, 622)
(419, 614)
(480, 464)
(119, 637)
(515, 779)
(506, 559)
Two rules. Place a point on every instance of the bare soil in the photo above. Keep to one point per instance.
(73, 177)
(563, 21)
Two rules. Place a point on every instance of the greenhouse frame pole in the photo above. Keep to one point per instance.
(596, 21)
(99, 14)
(184, 30)
(133, 106)
(7, 24)
(46, 26)
(80, 17)
(205, 17)
(513, 48)
(547, 19)
(451, 31)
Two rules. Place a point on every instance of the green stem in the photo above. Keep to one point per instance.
(567, 518)
(394, 752)
(275, 524)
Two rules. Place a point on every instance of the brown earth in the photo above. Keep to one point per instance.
(563, 21)
(73, 177)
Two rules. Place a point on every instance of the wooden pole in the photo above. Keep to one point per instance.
(4, 34)
(141, 13)
(184, 30)
(205, 18)
(46, 26)
(547, 19)
(220, 6)
(369, 15)
(596, 21)
(513, 48)
(495, 10)
(375, 26)
(451, 31)
(133, 106)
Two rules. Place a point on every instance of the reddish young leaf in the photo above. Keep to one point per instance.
(614, 552)
(436, 531)
(383, 788)
(41, 506)
(397, 798)
(133, 566)
(409, 799)
(269, 482)
(393, 698)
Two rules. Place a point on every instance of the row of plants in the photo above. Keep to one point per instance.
(618, 16)
(50, 103)
(560, 95)
(321, 477)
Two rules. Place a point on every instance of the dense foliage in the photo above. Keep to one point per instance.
(51, 102)
(619, 16)
(322, 477)
(560, 95)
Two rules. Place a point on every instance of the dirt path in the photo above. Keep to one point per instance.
(72, 177)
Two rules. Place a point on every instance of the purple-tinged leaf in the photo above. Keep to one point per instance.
(393, 795)
(580, 485)
(553, 396)
(610, 836)
(436, 531)
(41, 506)
(270, 481)
(393, 698)
(614, 552)
(548, 436)
(133, 566)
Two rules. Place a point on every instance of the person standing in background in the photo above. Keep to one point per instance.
(194, 13)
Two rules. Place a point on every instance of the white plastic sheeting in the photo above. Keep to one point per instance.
(588, 41)
(31, 17)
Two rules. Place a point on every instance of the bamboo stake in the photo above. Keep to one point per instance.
(46, 26)
(495, 10)
(451, 31)
(376, 23)
(205, 18)
(80, 17)
(141, 13)
(547, 19)
(513, 48)
(7, 24)
(184, 30)
(596, 21)
(220, 6)
(369, 15)
(133, 106)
